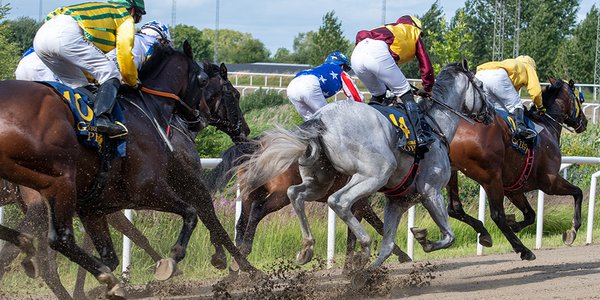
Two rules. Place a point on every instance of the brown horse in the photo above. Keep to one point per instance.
(485, 154)
(222, 101)
(39, 149)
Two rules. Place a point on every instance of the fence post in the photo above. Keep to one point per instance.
(481, 216)
(127, 247)
(238, 212)
(330, 237)
(1, 223)
(539, 230)
(590, 224)
(410, 238)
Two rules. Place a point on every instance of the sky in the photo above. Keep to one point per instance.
(273, 22)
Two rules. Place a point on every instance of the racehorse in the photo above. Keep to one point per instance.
(485, 154)
(367, 152)
(39, 149)
(272, 197)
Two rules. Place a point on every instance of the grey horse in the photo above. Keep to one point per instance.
(356, 140)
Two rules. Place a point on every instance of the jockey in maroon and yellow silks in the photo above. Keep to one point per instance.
(404, 41)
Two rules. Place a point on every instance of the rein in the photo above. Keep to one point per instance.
(172, 96)
(446, 106)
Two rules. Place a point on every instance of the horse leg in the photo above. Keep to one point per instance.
(392, 213)
(435, 205)
(260, 209)
(25, 244)
(456, 211)
(79, 289)
(123, 225)
(496, 200)
(520, 201)
(560, 186)
(374, 220)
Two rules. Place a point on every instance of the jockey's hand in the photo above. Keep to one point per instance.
(541, 110)
(423, 92)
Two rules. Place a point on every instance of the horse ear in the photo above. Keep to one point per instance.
(552, 80)
(223, 71)
(187, 49)
(465, 64)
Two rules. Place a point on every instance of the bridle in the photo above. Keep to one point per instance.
(233, 123)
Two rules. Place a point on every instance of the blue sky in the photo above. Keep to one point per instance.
(274, 22)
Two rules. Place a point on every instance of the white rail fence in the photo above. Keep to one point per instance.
(566, 162)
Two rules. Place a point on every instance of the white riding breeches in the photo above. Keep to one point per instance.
(31, 68)
(61, 45)
(306, 95)
(375, 67)
(499, 89)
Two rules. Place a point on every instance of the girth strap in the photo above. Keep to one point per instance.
(402, 188)
(525, 174)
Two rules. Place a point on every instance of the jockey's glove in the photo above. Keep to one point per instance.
(541, 110)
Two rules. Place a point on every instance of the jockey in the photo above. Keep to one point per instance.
(31, 68)
(150, 33)
(309, 89)
(75, 39)
(375, 60)
(502, 81)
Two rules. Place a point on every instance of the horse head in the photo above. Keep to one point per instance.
(464, 91)
(177, 76)
(563, 106)
(223, 102)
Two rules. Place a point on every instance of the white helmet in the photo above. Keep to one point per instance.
(157, 30)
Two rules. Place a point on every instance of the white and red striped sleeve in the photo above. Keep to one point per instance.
(350, 88)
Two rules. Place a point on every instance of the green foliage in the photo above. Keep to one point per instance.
(329, 38)
(304, 47)
(283, 55)
(450, 44)
(261, 99)
(202, 45)
(9, 51)
(235, 47)
(22, 31)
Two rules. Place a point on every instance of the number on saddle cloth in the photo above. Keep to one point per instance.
(397, 116)
(83, 114)
(517, 141)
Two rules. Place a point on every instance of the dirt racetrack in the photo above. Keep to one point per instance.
(564, 273)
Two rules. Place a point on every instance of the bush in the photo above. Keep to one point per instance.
(262, 99)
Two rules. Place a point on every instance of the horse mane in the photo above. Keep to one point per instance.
(550, 93)
(157, 60)
(447, 74)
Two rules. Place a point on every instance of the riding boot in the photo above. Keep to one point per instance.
(103, 106)
(522, 129)
(414, 117)
(385, 99)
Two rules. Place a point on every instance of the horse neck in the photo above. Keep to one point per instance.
(445, 121)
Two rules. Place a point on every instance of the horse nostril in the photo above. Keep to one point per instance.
(203, 80)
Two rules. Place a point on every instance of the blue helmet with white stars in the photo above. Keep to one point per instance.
(337, 58)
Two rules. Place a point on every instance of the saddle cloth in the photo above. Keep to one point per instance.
(398, 118)
(85, 121)
(516, 140)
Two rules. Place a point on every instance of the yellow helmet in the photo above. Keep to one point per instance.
(526, 59)
(417, 22)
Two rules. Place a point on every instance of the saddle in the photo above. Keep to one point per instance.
(407, 142)
(518, 142)
(80, 102)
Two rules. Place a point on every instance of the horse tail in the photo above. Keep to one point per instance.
(279, 149)
(217, 178)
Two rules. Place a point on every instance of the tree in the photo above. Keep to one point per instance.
(329, 38)
(452, 43)
(304, 47)
(283, 55)
(203, 48)
(22, 31)
(237, 47)
(9, 51)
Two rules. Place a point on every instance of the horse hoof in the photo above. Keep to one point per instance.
(304, 256)
(485, 240)
(30, 265)
(569, 237)
(219, 261)
(117, 292)
(404, 258)
(165, 268)
(527, 255)
(419, 233)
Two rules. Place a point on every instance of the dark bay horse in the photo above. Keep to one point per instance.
(39, 149)
(367, 152)
(485, 154)
(272, 196)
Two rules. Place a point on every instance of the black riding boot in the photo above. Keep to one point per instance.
(414, 117)
(384, 99)
(522, 129)
(103, 106)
